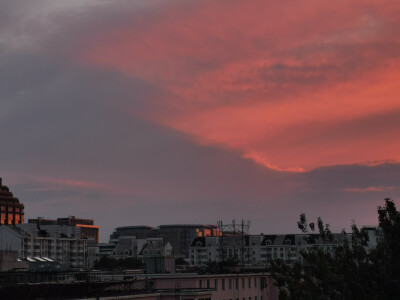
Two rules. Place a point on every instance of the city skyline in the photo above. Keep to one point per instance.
(164, 112)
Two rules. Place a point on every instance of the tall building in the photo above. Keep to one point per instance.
(88, 229)
(11, 210)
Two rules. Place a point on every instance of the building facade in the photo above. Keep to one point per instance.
(178, 235)
(255, 249)
(241, 286)
(63, 244)
(88, 229)
(11, 210)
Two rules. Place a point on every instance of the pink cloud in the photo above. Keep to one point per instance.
(53, 184)
(369, 189)
(245, 76)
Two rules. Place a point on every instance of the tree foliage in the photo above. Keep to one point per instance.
(109, 263)
(349, 271)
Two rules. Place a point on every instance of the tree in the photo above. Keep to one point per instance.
(109, 263)
(349, 272)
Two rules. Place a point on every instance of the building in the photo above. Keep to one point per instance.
(255, 249)
(9, 261)
(240, 286)
(11, 210)
(375, 236)
(88, 229)
(140, 232)
(158, 257)
(188, 286)
(179, 235)
(63, 244)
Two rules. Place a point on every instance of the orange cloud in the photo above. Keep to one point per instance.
(274, 81)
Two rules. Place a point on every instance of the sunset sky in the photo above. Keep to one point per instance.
(159, 112)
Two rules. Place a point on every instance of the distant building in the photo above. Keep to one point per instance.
(375, 236)
(255, 249)
(11, 210)
(88, 229)
(63, 244)
(179, 235)
(158, 257)
(140, 232)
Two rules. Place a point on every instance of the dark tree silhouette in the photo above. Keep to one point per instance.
(349, 272)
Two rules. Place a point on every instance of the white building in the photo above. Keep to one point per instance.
(254, 249)
(60, 243)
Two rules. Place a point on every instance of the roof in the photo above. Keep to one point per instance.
(134, 227)
(198, 242)
(188, 225)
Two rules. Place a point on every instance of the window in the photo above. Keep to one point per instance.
(243, 283)
(208, 283)
(230, 283)
(237, 285)
(255, 284)
(249, 284)
(223, 284)
(216, 284)
(200, 283)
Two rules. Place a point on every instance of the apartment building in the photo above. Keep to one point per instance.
(255, 249)
(63, 244)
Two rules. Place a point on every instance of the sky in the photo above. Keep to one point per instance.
(164, 112)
